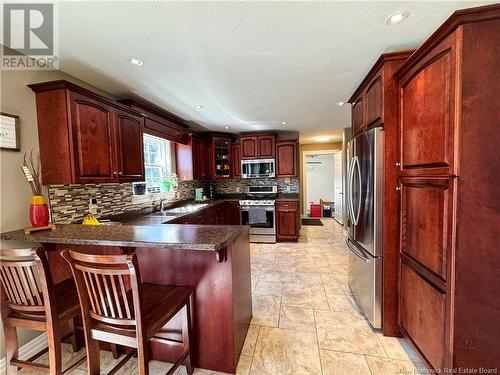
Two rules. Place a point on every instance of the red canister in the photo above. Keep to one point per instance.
(39, 212)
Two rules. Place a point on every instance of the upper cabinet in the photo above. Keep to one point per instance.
(236, 161)
(358, 115)
(86, 138)
(192, 159)
(286, 158)
(258, 146)
(159, 122)
(220, 156)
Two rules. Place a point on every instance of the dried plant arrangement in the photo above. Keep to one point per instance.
(32, 172)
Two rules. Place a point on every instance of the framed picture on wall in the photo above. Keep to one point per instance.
(9, 132)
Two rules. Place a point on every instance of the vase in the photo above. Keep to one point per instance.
(39, 212)
(166, 186)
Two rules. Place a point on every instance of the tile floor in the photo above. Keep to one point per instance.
(304, 320)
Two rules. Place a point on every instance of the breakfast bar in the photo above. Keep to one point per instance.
(214, 260)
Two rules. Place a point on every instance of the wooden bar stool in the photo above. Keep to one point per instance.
(31, 300)
(117, 308)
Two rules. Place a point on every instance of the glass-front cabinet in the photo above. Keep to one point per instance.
(221, 154)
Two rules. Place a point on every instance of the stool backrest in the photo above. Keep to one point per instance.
(108, 287)
(25, 280)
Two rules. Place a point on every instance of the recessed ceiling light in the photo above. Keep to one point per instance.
(284, 122)
(322, 138)
(397, 17)
(135, 61)
(226, 127)
(199, 106)
(340, 103)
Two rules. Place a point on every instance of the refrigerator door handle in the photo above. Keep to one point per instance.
(360, 187)
(349, 191)
(355, 218)
(356, 251)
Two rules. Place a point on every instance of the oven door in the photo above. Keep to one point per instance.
(261, 168)
(261, 219)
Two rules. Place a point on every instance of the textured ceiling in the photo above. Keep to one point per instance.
(251, 65)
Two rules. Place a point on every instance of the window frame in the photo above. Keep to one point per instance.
(166, 164)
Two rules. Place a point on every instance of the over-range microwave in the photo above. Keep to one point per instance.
(257, 168)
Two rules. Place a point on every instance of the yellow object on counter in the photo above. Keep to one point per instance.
(90, 220)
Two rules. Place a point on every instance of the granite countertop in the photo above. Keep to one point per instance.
(173, 236)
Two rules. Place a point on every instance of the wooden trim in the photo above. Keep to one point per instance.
(63, 84)
(385, 57)
(148, 109)
(459, 17)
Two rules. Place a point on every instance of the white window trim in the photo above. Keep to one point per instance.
(168, 156)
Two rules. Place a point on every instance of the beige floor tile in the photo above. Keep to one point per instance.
(309, 278)
(398, 348)
(299, 318)
(281, 274)
(387, 366)
(250, 340)
(244, 364)
(266, 310)
(305, 295)
(346, 332)
(283, 351)
(342, 303)
(338, 363)
(335, 283)
(268, 288)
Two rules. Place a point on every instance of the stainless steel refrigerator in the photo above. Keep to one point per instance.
(363, 228)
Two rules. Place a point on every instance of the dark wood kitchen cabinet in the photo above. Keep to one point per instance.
(286, 158)
(86, 138)
(220, 156)
(233, 216)
(236, 161)
(258, 146)
(450, 211)
(375, 104)
(287, 221)
(192, 159)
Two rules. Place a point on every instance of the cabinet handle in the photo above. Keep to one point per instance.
(397, 164)
(120, 173)
(115, 173)
(398, 188)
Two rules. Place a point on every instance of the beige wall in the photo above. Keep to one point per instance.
(327, 146)
(18, 99)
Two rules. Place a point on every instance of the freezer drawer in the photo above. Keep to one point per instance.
(365, 282)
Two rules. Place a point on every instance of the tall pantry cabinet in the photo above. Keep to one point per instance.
(449, 252)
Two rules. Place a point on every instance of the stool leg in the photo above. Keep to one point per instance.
(11, 348)
(74, 341)
(143, 356)
(55, 360)
(186, 328)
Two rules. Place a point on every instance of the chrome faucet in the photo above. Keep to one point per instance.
(162, 203)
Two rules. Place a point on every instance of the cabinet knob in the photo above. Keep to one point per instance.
(397, 164)
(115, 173)
(120, 173)
(398, 188)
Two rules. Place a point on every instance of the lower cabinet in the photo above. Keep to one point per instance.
(287, 221)
(423, 315)
(225, 213)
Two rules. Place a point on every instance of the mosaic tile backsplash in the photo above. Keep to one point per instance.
(69, 203)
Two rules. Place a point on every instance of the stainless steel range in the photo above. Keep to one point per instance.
(258, 211)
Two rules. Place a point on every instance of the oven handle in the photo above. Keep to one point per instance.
(356, 251)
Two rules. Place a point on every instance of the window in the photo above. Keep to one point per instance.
(158, 163)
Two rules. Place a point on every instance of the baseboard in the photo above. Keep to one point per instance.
(29, 349)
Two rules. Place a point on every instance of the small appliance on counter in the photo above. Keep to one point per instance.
(210, 191)
(198, 194)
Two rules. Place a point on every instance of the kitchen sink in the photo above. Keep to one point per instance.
(181, 210)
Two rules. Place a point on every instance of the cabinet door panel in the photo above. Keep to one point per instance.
(426, 219)
(287, 223)
(248, 147)
(427, 115)
(130, 147)
(358, 121)
(374, 99)
(422, 315)
(286, 159)
(92, 125)
(236, 161)
(266, 146)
